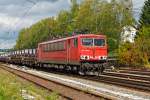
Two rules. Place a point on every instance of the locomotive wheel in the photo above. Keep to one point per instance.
(82, 70)
(100, 69)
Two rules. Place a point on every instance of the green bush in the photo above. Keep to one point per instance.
(137, 53)
(130, 54)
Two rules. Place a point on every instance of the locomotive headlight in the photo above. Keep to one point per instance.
(87, 57)
(102, 57)
(82, 57)
(105, 57)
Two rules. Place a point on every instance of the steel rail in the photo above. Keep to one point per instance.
(133, 81)
(128, 75)
(135, 72)
(65, 91)
(135, 84)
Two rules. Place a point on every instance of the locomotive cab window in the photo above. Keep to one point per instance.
(99, 42)
(87, 41)
(93, 42)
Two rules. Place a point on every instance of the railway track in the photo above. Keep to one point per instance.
(138, 81)
(138, 72)
(134, 81)
(67, 92)
(124, 78)
(130, 80)
(127, 82)
(129, 76)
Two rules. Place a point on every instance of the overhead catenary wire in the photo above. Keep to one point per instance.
(31, 1)
(18, 22)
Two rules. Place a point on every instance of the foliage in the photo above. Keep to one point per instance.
(145, 15)
(137, 53)
(131, 54)
(11, 86)
(144, 33)
(144, 39)
(93, 16)
(53, 96)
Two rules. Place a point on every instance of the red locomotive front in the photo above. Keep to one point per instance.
(83, 52)
(93, 48)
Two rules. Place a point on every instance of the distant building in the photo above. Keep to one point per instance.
(128, 34)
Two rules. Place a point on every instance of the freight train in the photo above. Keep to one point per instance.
(81, 53)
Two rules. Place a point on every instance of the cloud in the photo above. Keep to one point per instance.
(20, 2)
(47, 8)
(7, 44)
(9, 23)
(17, 14)
(12, 14)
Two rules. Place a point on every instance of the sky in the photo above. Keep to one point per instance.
(17, 14)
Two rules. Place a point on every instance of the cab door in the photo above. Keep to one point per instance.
(74, 51)
(39, 51)
(68, 50)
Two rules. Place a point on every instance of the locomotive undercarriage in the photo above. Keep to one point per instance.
(84, 68)
(92, 68)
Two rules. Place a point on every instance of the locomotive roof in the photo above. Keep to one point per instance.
(61, 39)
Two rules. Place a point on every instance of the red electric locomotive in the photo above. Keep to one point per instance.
(83, 53)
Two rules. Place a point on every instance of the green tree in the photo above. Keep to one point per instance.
(104, 17)
(145, 15)
(138, 53)
(96, 16)
(144, 31)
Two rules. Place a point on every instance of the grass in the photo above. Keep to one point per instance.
(147, 66)
(11, 88)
